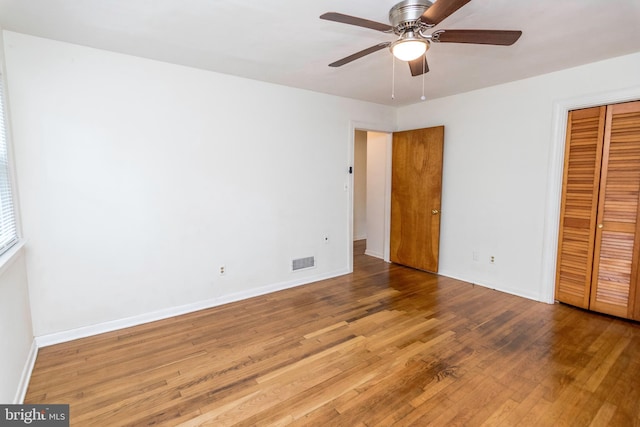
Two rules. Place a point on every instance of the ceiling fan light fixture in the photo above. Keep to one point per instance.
(409, 47)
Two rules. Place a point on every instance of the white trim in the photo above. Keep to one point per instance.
(348, 187)
(8, 258)
(374, 254)
(21, 392)
(387, 199)
(510, 291)
(87, 331)
(554, 178)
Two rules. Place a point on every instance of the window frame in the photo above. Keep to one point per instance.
(9, 218)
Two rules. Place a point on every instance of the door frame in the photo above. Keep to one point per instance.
(561, 109)
(368, 127)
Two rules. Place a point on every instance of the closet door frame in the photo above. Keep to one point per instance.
(561, 110)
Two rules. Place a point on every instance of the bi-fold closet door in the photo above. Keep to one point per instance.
(599, 239)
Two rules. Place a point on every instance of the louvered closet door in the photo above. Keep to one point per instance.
(583, 157)
(615, 271)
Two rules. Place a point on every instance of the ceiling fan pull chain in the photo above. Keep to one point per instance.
(393, 77)
(423, 73)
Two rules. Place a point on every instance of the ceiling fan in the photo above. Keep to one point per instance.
(410, 21)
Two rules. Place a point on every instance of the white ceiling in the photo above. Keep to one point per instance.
(284, 42)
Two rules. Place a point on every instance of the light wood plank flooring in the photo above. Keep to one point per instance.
(386, 345)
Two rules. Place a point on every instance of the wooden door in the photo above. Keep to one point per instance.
(582, 162)
(617, 247)
(416, 189)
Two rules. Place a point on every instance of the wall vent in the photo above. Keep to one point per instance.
(303, 263)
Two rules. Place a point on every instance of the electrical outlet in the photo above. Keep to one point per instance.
(222, 270)
(475, 255)
(492, 260)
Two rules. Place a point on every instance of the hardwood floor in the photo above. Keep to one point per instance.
(386, 345)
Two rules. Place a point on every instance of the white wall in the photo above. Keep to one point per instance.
(16, 333)
(17, 352)
(377, 175)
(496, 170)
(360, 185)
(138, 179)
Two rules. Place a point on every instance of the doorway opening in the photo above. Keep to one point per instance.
(371, 193)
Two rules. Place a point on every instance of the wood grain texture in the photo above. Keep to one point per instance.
(416, 193)
(617, 245)
(578, 210)
(386, 345)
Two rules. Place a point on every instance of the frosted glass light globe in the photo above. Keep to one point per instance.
(408, 50)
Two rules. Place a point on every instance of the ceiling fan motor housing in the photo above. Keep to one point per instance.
(407, 13)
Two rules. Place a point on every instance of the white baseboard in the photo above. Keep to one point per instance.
(26, 374)
(87, 331)
(373, 254)
(510, 291)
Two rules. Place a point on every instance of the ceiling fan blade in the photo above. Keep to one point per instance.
(353, 20)
(360, 54)
(495, 37)
(441, 9)
(419, 66)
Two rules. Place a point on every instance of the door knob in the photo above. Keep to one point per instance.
(600, 225)
(435, 211)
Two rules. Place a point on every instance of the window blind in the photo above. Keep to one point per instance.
(8, 232)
